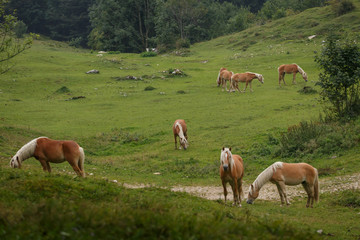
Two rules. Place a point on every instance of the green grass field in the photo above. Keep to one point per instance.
(126, 133)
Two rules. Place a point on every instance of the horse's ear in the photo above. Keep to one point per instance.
(223, 148)
(230, 149)
(252, 187)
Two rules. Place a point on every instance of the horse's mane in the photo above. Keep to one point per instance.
(181, 133)
(265, 176)
(301, 71)
(222, 156)
(258, 75)
(27, 150)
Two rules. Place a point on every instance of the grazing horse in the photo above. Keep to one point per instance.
(283, 174)
(232, 171)
(47, 150)
(180, 130)
(224, 75)
(290, 68)
(244, 77)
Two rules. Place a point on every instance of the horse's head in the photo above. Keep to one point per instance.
(304, 75)
(184, 143)
(253, 194)
(15, 162)
(261, 78)
(218, 79)
(226, 160)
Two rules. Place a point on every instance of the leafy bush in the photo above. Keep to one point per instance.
(149, 88)
(348, 198)
(340, 77)
(182, 43)
(20, 29)
(341, 7)
(148, 54)
(317, 139)
(76, 42)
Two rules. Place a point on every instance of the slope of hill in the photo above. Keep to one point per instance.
(126, 129)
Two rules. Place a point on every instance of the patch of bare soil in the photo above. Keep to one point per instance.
(268, 191)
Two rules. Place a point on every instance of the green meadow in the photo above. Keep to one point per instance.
(125, 130)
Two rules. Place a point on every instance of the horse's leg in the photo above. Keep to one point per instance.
(48, 166)
(280, 77)
(240, 191)
(246, 86)
(175, 141)
(283, 189)
(283, 77)
(236, 193)
(75, 166)
(43, 164)
(294, 77)
(280, 193)
(309, 188)
(225, 190)
(251, 90)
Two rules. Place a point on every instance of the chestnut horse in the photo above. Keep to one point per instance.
(180, 130)
(283, 174)
(291, 68)
(244, 77)
(232, 171)
(224, 75)
(48, 151)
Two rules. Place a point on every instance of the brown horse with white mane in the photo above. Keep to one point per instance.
(49, 151)
(224, 75)
(232, 171)
(291, 69)
(283, 174)
(180, 130)
(246, 78)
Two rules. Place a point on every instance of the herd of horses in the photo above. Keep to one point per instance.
(231, 165)
(225, 76)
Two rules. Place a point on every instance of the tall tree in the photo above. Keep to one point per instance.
(10, 45)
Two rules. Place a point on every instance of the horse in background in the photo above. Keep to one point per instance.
(49, 151)
(283, 174)
(244, 77)
(291, 68)
(180, 130)
(223, 76)
(232, 171)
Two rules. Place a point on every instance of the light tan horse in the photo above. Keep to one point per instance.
(180, 130)
(291, 68)
(246, 78)
(283, 174)
(49, 151)
(224, 75)
(232, 172)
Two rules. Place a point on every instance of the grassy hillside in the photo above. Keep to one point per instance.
(126, 131)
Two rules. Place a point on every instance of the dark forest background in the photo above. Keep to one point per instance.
(134, 25)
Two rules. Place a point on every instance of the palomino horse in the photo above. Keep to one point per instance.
(283, 174)
(232, 171)
(290, 68)
(224, 75)
(47, 150)
(180, 130)
(244, 77)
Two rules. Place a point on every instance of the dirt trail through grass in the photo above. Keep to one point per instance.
(269, 191)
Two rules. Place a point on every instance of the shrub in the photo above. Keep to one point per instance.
(348, 198)
(148, 54)
(182, 43)
(341, 7)
(76, 42)
(20, 29)
(149, 88)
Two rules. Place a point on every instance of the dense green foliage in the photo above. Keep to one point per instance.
(134, 25)
(10, 46)
(339, 80)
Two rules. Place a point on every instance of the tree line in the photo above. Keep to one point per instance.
(134, 25)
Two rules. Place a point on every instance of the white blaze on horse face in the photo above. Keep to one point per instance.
(184, 142)
(14, 162)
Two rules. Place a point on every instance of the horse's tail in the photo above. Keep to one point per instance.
(316, 186)
(218, 79)
(81, 161)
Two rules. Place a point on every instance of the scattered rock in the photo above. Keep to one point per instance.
(92, 71)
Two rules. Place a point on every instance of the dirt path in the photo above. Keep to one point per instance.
(268, 191)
